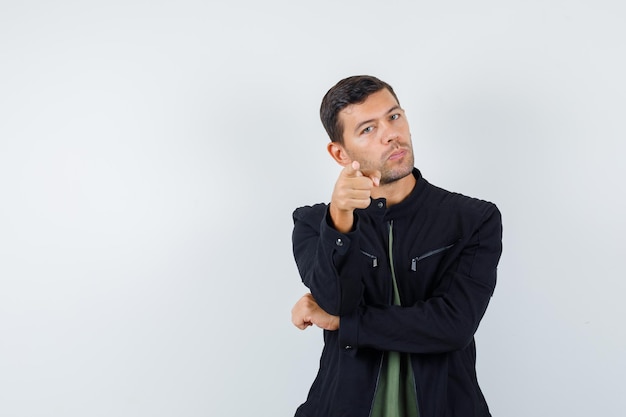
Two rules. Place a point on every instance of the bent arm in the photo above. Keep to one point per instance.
(324, 256)
(446, 321)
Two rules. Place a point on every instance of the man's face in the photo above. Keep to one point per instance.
(376, 134)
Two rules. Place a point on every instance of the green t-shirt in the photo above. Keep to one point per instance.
(395, 392)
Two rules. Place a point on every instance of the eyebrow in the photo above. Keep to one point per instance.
(365, 122)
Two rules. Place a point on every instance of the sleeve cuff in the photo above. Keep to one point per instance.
(340, 242)
(348, 332)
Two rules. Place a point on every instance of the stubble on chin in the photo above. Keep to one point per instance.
(389, 176)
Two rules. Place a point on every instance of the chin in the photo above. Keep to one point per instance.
(395, 175)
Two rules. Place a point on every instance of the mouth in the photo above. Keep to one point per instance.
(398, 154)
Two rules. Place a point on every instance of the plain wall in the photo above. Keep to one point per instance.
(151, 155)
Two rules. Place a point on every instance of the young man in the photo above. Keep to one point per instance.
(400, 272)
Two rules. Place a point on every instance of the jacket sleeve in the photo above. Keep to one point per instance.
(324, 256)
(449, 319)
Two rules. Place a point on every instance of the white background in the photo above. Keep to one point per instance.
(151, 155)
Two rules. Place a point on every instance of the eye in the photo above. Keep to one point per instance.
(367, 129)
(395, 116)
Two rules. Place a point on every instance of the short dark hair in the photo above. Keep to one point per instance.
(352, 90)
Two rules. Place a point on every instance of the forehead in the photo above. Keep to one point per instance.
(376, 105)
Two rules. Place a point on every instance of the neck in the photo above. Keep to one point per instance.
(396, 191)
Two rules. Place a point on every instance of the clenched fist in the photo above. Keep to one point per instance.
(306, 312)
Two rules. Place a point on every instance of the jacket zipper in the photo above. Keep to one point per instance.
(390, 300)
(372, 257)
(380, 370)
(391, 266)
(415, 260)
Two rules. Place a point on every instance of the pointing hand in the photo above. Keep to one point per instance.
(353, 190)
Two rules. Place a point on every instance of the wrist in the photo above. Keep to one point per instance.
(342, 220)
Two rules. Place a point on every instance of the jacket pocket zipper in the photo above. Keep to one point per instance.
(415, 260)
(372, 257)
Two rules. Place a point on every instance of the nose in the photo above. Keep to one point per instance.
(389, 133)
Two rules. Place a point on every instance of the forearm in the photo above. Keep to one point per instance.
(439, 324)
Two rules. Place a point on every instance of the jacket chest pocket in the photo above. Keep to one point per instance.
(429, 254)
(376, 278)
(372, 259)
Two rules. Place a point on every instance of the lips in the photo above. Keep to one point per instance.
(397, 154)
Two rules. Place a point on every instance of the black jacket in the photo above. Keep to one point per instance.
(445, 252)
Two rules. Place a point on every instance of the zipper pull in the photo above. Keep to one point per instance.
(372, 257)
(414, 264)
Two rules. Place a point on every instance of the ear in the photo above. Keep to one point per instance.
(338, 153)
